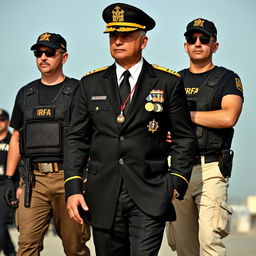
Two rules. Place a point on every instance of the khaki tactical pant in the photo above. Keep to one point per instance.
(203, 217)
(48, 200)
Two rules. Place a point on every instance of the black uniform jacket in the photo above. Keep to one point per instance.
(134, 151)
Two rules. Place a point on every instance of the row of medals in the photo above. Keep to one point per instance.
(154, 100)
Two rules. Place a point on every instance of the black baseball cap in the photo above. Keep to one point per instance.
(120, 17)
(52, 40)
(202, 25)
(4, 114)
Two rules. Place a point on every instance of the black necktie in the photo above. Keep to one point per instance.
(125, 89)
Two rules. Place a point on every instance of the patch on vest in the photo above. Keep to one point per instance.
(239, 85)
(43, 112)
(193, 90)
(166, 70)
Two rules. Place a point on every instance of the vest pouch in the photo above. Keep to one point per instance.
(201, 136)
(43, 138)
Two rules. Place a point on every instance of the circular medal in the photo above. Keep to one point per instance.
(120, 119)
(149, 106)
(158, 107)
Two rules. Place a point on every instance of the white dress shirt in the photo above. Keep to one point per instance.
(134, 71)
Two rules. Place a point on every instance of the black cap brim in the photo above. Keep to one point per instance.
(198, 30)
(36, 46)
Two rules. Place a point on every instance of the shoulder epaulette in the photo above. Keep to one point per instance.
(166, 70)
(95, 71)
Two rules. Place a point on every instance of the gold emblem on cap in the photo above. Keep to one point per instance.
(44, 37)
(118, 14)
(1, 112)
(198, 23)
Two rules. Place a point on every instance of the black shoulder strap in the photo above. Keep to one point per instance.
(212, 84)
(70, 86)
(30, 87)
(217, 76)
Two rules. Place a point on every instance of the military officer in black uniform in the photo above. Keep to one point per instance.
(118, 128)
(40, 120)
(6, 212)
(215, 97)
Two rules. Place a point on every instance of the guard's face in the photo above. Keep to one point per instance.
(51, 64)
(126, 48)
(3, 124)
(200, 49)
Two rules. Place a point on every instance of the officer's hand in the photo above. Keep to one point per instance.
(10, 192)
(73, 203)
(175, 194)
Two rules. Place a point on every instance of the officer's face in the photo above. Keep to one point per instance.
(126, 48)
(50, 65)
(200, 51)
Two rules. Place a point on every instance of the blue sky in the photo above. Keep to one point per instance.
(80, 23)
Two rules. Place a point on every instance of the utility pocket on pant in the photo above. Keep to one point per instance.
(170, 235)
(17, 224)
(222, 218)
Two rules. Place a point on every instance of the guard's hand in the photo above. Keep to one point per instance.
(19, 192)
(73, 203)
(10, 192)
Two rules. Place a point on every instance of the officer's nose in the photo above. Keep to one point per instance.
(119, 40)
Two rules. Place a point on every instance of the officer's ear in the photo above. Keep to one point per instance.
(144, 42)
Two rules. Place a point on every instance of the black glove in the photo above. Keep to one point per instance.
(10, 192)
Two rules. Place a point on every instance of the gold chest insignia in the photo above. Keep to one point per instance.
(153, 126)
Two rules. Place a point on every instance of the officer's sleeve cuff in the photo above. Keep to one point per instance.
(73, 185)
(180, 184)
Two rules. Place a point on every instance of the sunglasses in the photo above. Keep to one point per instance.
(48, 53)
(202, 39)
(3, 119)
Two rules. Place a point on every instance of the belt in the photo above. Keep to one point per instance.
(47, 167)
(207, 159)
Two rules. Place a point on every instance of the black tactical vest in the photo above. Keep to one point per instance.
(204, 100)
(45, 126)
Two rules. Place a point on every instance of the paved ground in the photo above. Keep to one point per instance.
(237, 244)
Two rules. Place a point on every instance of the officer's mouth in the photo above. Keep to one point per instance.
(119, 50)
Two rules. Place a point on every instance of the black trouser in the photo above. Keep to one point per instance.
(134, 233)
(6, 218)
